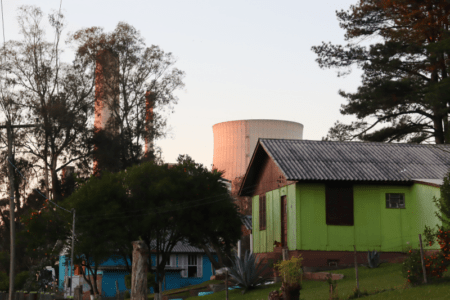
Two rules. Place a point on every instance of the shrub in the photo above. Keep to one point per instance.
(437, 264)
(20, 280)
(4, 282)
(246, 273)
(412, 267)
(373, 258)
(291, 270)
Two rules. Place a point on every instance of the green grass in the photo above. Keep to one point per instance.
(187, 288)
(386, 276)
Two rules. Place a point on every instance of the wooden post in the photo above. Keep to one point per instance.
(139, 271)
(78, 293)
(421, 259)
(226, 282)
(12, 222)
(117, 290)
(12, 225)
(356, 269)
(285, 253)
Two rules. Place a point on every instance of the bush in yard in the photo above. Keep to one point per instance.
(246, 273)
(20, 280)
(437, 264)
(4, 282)
(412, 267)
(373, 259)
(291, 272)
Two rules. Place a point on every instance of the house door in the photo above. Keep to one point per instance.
(283, 221)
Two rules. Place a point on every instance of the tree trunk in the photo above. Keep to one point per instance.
(215, 263)
(139, 271)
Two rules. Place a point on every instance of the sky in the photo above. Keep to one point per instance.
(243, 60)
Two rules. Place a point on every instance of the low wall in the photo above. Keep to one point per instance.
(314, 261)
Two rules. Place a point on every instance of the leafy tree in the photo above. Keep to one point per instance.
(211, 220)
(95, 236)
(223, 217)
(159, 204)
(405, 83)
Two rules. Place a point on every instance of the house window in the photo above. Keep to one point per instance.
(192, 265)
(262, 212)
(395, 200)
(339, 204)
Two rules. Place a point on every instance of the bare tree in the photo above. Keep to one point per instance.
(56, 94)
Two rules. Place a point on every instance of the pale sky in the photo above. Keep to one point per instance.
(243, 60)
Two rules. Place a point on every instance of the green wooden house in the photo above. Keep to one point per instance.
(321, 198)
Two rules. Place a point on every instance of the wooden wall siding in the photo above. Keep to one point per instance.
(276, 215)
(263, 240)
(270, 177)
(376, 227)
(291, 216)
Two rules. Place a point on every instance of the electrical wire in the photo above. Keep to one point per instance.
(224, 196)
(36, 189)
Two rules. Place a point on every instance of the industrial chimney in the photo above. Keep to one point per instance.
(106, 96)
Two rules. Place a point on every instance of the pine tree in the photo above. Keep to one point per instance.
(405, 84)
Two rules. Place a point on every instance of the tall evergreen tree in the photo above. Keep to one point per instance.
(405, 84)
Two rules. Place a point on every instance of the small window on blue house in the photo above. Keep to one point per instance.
(395, 200)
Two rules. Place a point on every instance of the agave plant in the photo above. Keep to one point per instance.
(373, 258)
(246, 273)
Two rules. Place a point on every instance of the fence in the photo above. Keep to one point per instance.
(29, 296)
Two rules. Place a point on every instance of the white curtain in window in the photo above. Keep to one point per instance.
(200, 265)
(173, 260)
(183, 263)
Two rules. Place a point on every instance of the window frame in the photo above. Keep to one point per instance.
(262, 212)
(189, 264)
(389, 200)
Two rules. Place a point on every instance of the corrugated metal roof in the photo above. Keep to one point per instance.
(247, 221)
(357, 161)
(185, 248)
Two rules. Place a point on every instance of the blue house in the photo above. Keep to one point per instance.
(188, 265)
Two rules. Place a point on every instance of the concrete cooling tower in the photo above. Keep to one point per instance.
(235, 141)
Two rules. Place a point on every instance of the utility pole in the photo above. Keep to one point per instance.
(10, 137)
(11, 212)
(71, 261)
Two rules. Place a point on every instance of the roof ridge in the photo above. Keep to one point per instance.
(359, 142)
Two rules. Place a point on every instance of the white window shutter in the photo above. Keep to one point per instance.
(200, 266)
(173, 260)
(184, 265)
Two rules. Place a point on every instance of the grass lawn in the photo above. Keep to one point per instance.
(186, 288)
(386, 276)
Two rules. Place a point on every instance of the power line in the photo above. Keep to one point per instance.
(36, 189)
(222, 196)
